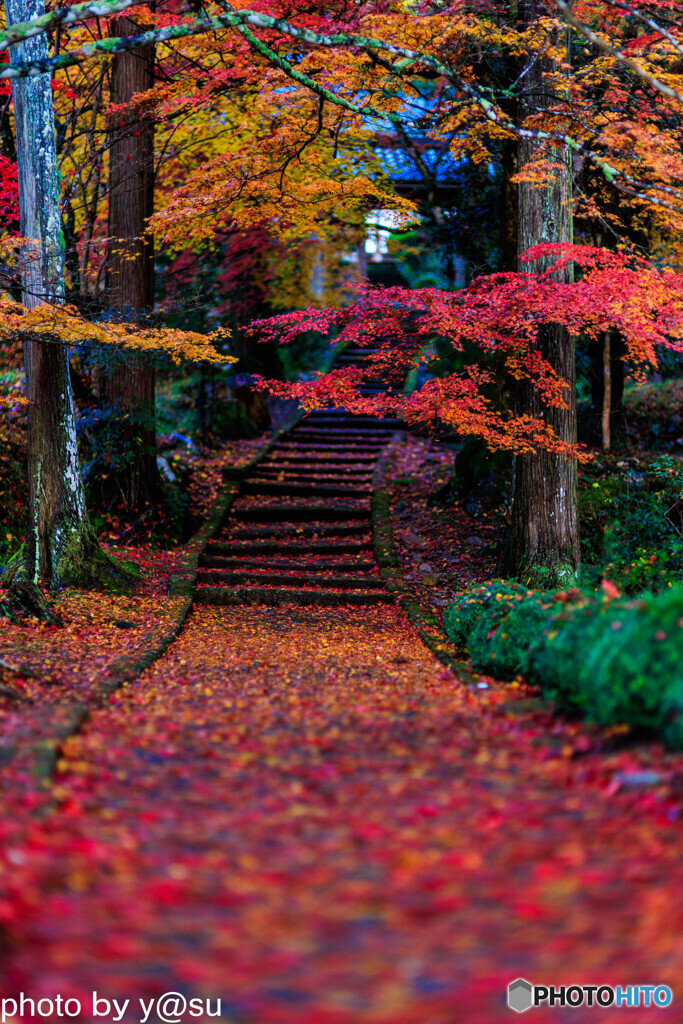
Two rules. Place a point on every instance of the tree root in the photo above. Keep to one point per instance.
(24, 598)
(82, 564)
(85, 566)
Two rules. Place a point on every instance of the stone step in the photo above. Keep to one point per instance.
(317, 472)
(338, 436)
(348, 421)
(356, 357)
(326, 439)
(288, 595)
(351, 486)
(297, 513)
(334, 416)
(307, 540)
(288, 547)
(318, 459)
(269, 578)
(306, 490)
(332, 447)
(312, 530)
(358, 350)
(345, 480)
(247, 562)
(340, 431)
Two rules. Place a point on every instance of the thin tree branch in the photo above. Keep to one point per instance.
(65, 16)
(613, 51)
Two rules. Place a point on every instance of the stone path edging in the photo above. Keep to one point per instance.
(428, 626)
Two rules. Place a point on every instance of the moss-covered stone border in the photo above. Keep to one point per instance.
(427, 623)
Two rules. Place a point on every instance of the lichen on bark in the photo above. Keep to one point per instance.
(61, 548)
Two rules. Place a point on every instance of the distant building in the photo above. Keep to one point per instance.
(437, 177)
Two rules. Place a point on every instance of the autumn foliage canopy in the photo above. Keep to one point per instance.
(267, 120)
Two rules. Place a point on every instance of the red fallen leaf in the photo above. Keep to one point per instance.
(168, 891)
(71, 809)
(529, 910)
(119, 946)
(9, 912)
(610, 590)
(31, 800)
(493, 820)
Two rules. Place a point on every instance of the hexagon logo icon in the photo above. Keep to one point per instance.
(520, 995)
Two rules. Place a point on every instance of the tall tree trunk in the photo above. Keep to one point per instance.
(509, 245)
(60, 548)
(130, 272)
(607, 393)
(607, 387)
(543, 545)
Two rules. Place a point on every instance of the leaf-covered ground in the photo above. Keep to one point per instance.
(442, 548)
(301, 812)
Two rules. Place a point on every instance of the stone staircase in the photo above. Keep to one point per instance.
(300, 530)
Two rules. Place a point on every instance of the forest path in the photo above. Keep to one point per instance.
(300, 811)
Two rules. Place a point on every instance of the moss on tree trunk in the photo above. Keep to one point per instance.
(60, 548)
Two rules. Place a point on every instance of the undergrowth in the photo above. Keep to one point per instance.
(631, 523)
(611, 660)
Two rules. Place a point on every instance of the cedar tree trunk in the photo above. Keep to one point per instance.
(60, 548)
(130, 273)
(543, 545)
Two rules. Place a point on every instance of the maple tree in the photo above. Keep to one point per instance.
(342, 75)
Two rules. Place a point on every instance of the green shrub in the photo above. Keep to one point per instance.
(573, 639)
(461, 617)
(230, 421)
(672, 715)
(502, 645)
(653, 410)
(616, 662)
(633, 667)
